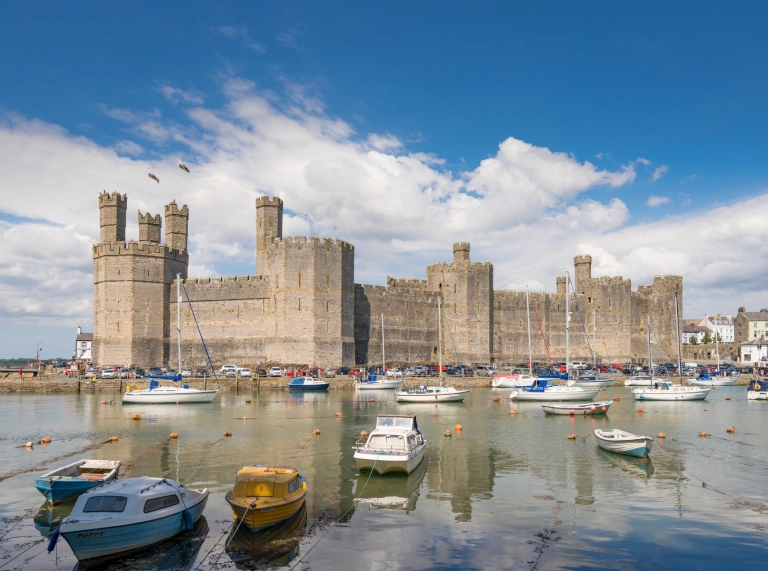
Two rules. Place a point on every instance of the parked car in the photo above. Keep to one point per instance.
(453, 372)
(244, 373)
(171, 372)
(261, 372)
(419, 371)
(138, 373)
(468, 371)
(314, 373)
(329, 374)
(505, 367)
(225, 368)
(409, 372)
(186, 372)
(230, 373)
(395, 373)
(343, 371)
(275, 372)
(484, 371)
(202, 372)
(108, 373)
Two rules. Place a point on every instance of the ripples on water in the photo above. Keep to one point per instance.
(508, 491)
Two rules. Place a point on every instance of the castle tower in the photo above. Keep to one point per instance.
(112, 211)
(149, 228)
(176, 226)
(131, 290)
(269, 224)
(582, 273)
(467, 293)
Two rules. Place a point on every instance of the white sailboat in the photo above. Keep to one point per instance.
(707, 380)
(434, 394)
(158, 394)
(540, 390)
(666, 390)
(376, 382)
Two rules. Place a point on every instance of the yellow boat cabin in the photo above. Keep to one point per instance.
(265, 495)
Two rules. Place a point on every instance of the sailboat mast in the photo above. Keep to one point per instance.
(677, 327)
(178, 318)
(528, 314)
(717, 348)
(650, 351)
(567, 321)
(440, 339)
(383, 360)
(594, 335)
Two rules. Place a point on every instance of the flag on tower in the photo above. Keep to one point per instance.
(153, 177)
(183, 167)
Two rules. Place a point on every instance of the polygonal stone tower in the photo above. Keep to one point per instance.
(269, 225)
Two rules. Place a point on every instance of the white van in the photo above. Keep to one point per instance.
(484, 371)
(578, 365)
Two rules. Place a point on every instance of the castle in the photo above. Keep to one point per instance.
(304, 307)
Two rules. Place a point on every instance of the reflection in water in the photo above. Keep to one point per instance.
(642, 467)
(277, 545)
(393, 491)
(49, 517)
(176, 554)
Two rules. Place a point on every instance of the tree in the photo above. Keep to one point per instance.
(693, 340)
(707, 339)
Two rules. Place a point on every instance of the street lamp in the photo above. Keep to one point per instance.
(37, 352)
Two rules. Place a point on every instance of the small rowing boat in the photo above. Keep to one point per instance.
(583, 409)
(622, 442)
(68, 482)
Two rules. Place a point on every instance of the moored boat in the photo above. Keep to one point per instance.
(590, 381)
(308, 384)
(266, 495)
(376, 382)
(513, 380)
(128, 515)
(708, 380)
(432, 394)
(622, 442)
(68, 482)
(584, 409)
(641, 380)
(395, 445)
(163, 394)
(667, 391)
(757, 390)
(540, 392)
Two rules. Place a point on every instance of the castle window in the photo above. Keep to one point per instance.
(299, 279)
(299, 304)
(277, 282)
(327, 280)
(454, 308)
(590, 299)
(327, 306)
(454, 288)
(478, 287)
(609, 302)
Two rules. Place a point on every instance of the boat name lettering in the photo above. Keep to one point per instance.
(91, 534)
(267, 510)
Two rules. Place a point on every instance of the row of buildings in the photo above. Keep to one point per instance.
(745, 327)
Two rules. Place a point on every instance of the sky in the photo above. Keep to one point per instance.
(633, 132)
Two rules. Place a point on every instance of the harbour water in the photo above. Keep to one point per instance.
(506, 492)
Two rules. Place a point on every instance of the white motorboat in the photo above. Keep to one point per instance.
(665, 390)
(553, 393)
(125, 516)
(161, 394)
(588, 381)
(707, 380)
(757, 390)
(513, 381)
(395, 445)
(375, 382)
(432, 394)
(622, 442)
(582, 409)
(642, 380)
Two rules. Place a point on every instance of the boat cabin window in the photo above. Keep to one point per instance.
(105, 504)
(293, 485)
(159, 503)
(398, 422)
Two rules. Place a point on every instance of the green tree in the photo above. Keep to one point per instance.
(707, 339)
(693, 341)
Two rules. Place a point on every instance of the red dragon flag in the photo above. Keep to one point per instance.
(153, 177)
(183, 167)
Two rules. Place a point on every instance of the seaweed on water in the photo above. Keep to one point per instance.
(758, 507)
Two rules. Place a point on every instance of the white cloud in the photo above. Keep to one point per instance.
(642, 161)
(659, 172)
(174, 95)
(654, 201)
(523, 208)
(129, 148)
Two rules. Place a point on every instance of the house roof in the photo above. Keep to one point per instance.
(757, 315)
(84, 337)
(756, 343)
(695, 329)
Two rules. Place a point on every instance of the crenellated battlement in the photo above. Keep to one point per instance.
(223, 279)
(113, 199)
(150, 249)
(173, 208)
(269, 201)
(314, 241)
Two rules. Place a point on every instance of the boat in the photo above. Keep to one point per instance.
(622, 442)
(376, 382)
(439, 393)
(266, 495)
(642, 380)
(308, 384)
(128, 515)
(757, 390)
(512, 381)
(584, 409)
(541, 392)
(164, 394)
(275, 546)
(589, 381)
(666, 390)
(395, 445)
(709, 380)
(68, 482)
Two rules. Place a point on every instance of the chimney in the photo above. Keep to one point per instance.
(729, 317)
(78, 329)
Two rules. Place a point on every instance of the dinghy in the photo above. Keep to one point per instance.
(583, 409)
(622, 442)
(68, 482)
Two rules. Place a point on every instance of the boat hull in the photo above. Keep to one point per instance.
(587, 409)
(308, 387)
(378, 385)
(262, 518)
(432, 397)
(93, 542)
(639, 447)
(697, 393)
(548, 395)
(169, 397)
(389, 463)
(712, 382)
(757, 395)
(66, 483)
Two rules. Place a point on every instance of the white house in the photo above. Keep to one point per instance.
(754, 351)
(718, 324)
(691, 332)
(83, 343)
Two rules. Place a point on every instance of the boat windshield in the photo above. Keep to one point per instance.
(105, 504)
(395, 421)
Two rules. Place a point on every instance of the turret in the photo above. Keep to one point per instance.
(583, 272)
(112, 211)
(176, 225)
(461, 252)
(269, 225)
(560, 285)
(149, 228)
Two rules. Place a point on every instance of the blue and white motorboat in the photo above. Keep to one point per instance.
(757, 390)
(713, 379)
(540, 391)
(68, 482)
(622, 442)
(378, 382)
(308, 384)
(128, 515)
(163, 394)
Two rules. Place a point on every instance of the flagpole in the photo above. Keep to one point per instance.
(149, 185)
(178, 168)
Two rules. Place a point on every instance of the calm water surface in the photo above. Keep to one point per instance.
(508, 492)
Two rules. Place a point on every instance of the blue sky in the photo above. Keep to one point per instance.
(671, 92)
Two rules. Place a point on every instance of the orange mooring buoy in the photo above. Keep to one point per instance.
(173, 435)
(316, 432)
(137, 416)
(495, 399)
(45, 440)
(247, 401)
(616, 399)
(227, 433)
(363, 434)
(457, 428)
(112, 439)
(640, 409)
(727, 398)
(513, 411)
(339, 414)
(702, 433)
(730, 429)
(661, 435)
(571, 437)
